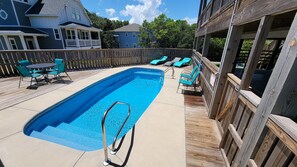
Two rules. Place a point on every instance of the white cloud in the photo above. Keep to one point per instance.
(146, 10)
(97, 13)
(114, 18)
(110, 11)
(190, 20)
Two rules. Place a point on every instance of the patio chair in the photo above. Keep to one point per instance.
(190, 75)
(189, 81)
(170, 63)
(24, 72)
(159, 61)
(25, 63)
(185, 61)
(58, 69)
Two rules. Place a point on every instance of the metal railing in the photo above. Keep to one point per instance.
(113, 150)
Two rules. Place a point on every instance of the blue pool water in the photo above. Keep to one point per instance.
(76, 121)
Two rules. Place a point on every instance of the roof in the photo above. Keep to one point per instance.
(80, 26)
(21, 31)
(47, 7)
(129, 28)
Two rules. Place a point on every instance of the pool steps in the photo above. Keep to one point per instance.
(71, 136)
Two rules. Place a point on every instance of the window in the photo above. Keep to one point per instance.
(70, 34)
(13, 44)
(57, 34)
(76, 14)
(134, 45)
(84, 35)
(26, 1)
(127, 44)
(134, 35)
(126, 34)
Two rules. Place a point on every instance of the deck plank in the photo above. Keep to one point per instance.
(202, 142)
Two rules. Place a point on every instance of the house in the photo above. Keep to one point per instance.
(127, 36)
(46, 24)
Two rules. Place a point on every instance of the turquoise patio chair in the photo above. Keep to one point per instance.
(183, 62)
(189, 81)
(25, 63)
(24, 72)
(190, 75)
(159, 61)
(58, 69)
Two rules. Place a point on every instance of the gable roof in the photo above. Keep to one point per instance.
(47, 7)
(129, 28)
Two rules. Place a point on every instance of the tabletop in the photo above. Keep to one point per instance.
(41, 65)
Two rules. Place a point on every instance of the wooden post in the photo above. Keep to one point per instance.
(228, 57)
(206, 45)
(277, 96)
(259, 42)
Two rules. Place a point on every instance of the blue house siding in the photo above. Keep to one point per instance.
(21, 8)
(128, 39)
(7, 7)
(49, 42)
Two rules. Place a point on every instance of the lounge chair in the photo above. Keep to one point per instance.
(190, 75)
(58, 69)
(24, 72)
(170, 63)
(185, 61)
(190, 81)
(159, 61)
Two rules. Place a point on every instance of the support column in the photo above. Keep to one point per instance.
(206, 45)
(36, 42)
(256, 51)
(277, 98)
(90, 38)
(99, 38)
(76, 38)
(7, 42)
(228, 57)
(23, 42)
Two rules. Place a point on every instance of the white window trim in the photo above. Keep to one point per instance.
(59, 32)
(22, 1)
(12, 39)
(71, 35)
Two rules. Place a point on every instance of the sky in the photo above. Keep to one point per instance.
(136, 11)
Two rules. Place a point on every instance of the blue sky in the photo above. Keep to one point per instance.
(135, 11)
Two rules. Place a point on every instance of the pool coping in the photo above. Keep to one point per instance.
(17, 149)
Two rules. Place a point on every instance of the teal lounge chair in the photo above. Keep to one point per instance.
(185, 61)
(58, 69)
(159, 61)
(24, 72)
(190, 81)
(190, 75)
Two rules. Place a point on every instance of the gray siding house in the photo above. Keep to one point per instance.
(46, 24)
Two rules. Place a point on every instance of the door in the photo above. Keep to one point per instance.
(30, 43)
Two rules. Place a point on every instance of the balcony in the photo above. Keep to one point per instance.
(83, 43)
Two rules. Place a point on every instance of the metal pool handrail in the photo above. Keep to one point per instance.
(113, 151)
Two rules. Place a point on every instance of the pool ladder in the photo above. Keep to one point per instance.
(168, 69)
(113, 150)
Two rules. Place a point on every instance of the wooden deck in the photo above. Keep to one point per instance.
(10, 94)
(202, 142)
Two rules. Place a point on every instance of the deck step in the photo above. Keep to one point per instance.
(70, 138)
(60, 141)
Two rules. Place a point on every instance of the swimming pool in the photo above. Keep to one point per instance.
(76, 121)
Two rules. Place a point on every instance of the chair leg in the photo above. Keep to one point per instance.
(31, 82)
(20, 81)
(178, 87)
(68, 75)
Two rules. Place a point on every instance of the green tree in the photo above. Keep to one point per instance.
(107, 38)
(166, 33)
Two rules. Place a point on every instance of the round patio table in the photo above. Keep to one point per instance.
(42, 66)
